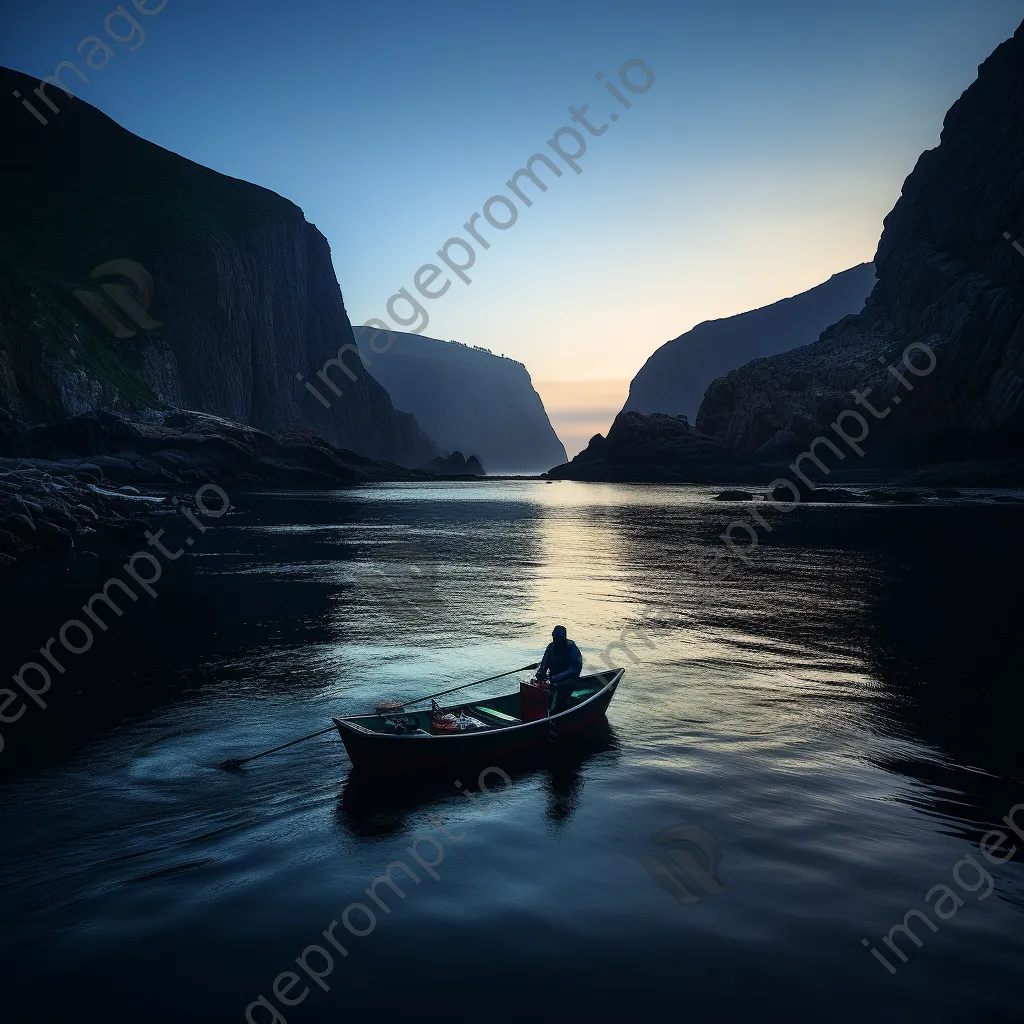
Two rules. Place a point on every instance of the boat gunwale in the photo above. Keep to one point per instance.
(362, 730)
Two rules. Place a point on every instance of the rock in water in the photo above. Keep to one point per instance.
(651, 448)
(456, 464)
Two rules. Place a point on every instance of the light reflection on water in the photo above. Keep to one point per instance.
(808, 712)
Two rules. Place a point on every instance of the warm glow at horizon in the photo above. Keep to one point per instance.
(580, 409)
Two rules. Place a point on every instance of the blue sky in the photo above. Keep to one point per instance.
(763, 158)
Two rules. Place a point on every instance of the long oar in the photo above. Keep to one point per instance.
(489, 679)
(237, 762)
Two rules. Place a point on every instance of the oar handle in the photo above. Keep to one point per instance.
(476, 682)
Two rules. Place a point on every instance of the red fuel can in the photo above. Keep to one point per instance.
(534, 701)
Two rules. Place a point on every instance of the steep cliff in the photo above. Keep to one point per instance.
(466, 399)
(244, 296)
(678, 374)
(948, 278)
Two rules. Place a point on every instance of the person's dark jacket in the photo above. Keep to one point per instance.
(562, 660)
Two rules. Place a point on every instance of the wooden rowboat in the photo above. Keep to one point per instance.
(488, 730)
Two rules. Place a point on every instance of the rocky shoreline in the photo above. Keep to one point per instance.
(54, 507)
(667, 449)
(783, 496)
(100, 474)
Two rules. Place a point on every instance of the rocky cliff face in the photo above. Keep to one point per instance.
(466, 399)
(244, 296)
(947, 278)
(678, 374)
(653, 448)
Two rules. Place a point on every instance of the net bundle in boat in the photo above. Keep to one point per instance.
(444, 721)
(389, 707)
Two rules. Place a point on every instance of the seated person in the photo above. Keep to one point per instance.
(561, 667)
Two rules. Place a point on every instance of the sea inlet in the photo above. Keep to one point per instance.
(801, 750)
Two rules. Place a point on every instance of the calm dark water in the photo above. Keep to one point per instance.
(839, 721)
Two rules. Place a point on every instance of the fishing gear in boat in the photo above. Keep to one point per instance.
(488, 731)
(443, 721)
(483, 730)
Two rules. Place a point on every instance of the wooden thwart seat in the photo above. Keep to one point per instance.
(499, 716)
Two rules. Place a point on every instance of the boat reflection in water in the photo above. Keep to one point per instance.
(373, 806)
